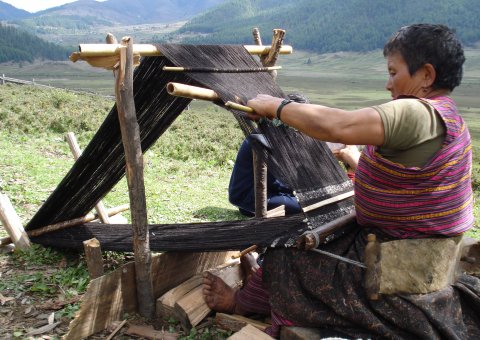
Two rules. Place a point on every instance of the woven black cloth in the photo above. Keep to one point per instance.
(303, 163)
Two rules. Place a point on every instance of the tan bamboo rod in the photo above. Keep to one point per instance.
(237, 70)
(195, 92)
(62, 225)
(106, 50)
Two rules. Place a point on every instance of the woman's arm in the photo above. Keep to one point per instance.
(361, 127)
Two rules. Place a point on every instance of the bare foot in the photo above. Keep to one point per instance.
(218, 296)
(249, 266)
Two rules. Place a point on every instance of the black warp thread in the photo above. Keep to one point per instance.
(303, 163)
(186, 237)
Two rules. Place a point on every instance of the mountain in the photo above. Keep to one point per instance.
(122, 12)
(9, 12)
(18, 46)
(329, 25)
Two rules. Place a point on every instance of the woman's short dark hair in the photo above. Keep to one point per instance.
(438, 45)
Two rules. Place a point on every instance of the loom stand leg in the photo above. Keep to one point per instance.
(76, 151)
(136, 186)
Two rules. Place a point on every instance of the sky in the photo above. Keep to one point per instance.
(37, 5)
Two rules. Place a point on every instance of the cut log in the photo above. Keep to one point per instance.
(185, 302)
(235, 322)
(93, 255)
(248, 333)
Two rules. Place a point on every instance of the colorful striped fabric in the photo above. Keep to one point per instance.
(416, 202)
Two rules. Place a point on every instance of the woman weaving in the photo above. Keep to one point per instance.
(417, 160)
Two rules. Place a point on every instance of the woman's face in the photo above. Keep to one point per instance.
(400, 82)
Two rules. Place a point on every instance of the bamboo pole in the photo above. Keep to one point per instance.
(108, 50)
(218, 70)
(75, 149)
(195, 92)
(62, 225)
(136, 187)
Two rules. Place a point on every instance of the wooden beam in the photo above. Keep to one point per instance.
(66, 224)
(76, 152)
(12, 224)
(93, 256)
(136, 187)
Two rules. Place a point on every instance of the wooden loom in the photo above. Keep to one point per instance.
(123, 63)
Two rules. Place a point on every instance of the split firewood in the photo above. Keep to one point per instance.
(249, 332)
(185, 302)
(235, 322)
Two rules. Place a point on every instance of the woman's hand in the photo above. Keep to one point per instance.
(264, 106)
(349, 155)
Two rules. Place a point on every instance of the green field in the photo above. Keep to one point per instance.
(346, 80)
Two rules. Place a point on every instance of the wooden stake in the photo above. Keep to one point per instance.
(75, 149)
(12, 224)
(93, 255)
(271, 58)
(136, 186)
(62, 225)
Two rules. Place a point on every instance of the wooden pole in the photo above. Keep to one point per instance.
(93, 256)
(12, 224)
(75, 149)
(71, 223)
(136, 187)
(259, 160)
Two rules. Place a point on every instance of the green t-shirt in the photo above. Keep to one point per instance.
(414, 132)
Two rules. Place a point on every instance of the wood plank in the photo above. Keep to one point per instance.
(108, 297)
(148, 332)
(236, 322)
(248, 333)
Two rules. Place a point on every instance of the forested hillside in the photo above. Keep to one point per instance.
(330, 25)
(16, 45)
(9, 12)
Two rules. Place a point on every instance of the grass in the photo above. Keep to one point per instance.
(186, 171)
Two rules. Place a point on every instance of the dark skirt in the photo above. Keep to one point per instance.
(314, 290)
